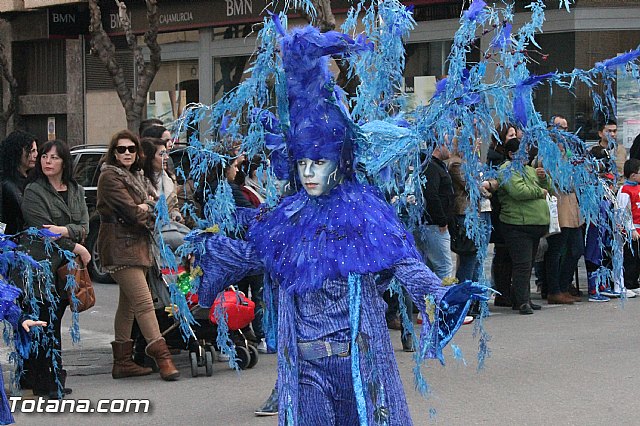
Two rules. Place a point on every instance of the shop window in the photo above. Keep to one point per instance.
(39, 125)
(557, 53)
(232, 31)
(228, 73)
(174, 87)
(426, 63)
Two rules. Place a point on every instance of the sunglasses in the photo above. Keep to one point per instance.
(122, 149)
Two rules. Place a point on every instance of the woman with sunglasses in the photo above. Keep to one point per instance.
(53, 200)
(124, 242)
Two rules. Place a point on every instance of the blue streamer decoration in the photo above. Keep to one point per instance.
(355, 301)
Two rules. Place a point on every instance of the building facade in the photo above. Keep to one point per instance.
(207, 46)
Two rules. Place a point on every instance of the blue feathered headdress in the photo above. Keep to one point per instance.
(319, 121)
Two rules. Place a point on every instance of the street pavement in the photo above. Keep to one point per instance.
(564, 365)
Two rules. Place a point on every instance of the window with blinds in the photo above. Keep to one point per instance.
(40, 67)
(96, 75)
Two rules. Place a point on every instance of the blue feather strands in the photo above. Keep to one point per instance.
(36, 280)
(389, 147)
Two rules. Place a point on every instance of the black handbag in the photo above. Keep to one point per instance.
(460, 242)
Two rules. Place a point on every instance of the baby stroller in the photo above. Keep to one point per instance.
(240, 311)
(200, 343)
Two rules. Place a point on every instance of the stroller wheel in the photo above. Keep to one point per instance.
(243, 357)
(253, 352)
(208, 363)
(194, 364)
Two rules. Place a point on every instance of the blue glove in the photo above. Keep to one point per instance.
(461, 293)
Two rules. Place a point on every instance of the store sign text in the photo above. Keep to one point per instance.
(171, 18)
(239, 7)
(63, 18)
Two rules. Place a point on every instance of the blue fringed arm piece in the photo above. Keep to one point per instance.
(443, 309)
(224, 262)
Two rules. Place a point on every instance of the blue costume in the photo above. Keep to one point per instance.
(330, 250)
(331, 254)
(11, 313)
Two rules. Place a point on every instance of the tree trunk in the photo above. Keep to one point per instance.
(7, 75)
(133, 99)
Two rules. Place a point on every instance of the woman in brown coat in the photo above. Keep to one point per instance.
(124, 243)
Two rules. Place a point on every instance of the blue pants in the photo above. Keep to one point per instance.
(435, 248)
(327, 399)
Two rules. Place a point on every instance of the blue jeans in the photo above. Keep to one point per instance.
(469, 266)
(435, 247)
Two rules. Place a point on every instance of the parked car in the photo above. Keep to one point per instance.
(86, 170)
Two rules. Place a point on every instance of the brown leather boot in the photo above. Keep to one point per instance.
(559, 299)
(569, 296)
(158, 350)
(123, 365)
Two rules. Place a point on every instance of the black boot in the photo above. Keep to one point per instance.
(41, 374)
(270, 406)
(474, 310)
(53, 392)
(26, 377)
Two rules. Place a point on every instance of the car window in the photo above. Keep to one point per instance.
(86, 168)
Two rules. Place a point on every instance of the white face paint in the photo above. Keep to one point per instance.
(319, 177)
(282, 186)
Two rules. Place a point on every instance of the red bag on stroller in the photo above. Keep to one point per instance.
(240, 310)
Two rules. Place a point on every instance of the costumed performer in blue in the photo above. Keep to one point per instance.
(323, 248)
(10, 312)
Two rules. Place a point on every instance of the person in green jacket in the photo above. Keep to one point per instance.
(525, 217)
(54, 201)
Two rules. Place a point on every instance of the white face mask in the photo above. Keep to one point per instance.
(319, 177)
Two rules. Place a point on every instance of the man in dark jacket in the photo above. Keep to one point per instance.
(438, 197)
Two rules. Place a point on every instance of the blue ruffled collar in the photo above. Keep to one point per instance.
(306, 240)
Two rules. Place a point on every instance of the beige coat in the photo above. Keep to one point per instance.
(569, 210)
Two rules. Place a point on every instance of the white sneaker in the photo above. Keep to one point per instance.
(636, 291)
(222, 357)
(630, 293)
(262, 346)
